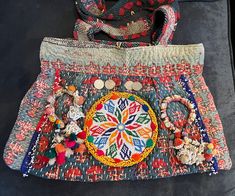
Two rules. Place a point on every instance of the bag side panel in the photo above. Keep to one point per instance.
(30, 111)
(211, 119)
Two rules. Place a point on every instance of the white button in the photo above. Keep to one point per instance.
(109, 84)
(99, 84)
(128, 85)
(137, 86)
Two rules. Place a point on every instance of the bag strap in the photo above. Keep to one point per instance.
(135, 19)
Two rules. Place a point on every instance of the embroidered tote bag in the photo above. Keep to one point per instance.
(125, 111)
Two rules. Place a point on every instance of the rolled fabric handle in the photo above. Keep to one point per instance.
(95, 18)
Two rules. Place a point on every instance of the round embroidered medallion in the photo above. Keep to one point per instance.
(121, 129)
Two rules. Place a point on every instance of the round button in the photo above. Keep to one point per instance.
(128, 85)
(99, 84)
(137, 86)
(109, 84)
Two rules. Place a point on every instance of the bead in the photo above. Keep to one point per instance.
(163, 115)
(214, 152)
(136, 157)
(128, 85)
(137, 86)
(70, 144)
(178, 134)
(172, 136)
(57, 126)
(192, 116)
(153, 126)
(71, 88)
(89, 122)
(72, 137)
(59, 148)
(163, 105)
(167, 121)
(100, 153)
(114, 97)
(58, 89)
(68, 152)
(209, 151)
(131, 98)
(145, 108)
(210, 146)
(82, 135)
(116, 160)
(52, 118)
(178, 143)
(184, 159)
(80, 141)
(90, 139)
(167, 124)
(109, 84)
(208, 157)
(177, 96)
(61, 124)
(99, 106)
(99, 84)
(117, 81)
(81, 149)
(149, 143)
(177, 130)
(52, 161)
(51, 153)
(79, 100)
(58, 121)
(60, 159)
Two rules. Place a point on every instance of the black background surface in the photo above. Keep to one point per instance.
(23, 24)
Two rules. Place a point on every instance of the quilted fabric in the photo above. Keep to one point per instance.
(173, 69)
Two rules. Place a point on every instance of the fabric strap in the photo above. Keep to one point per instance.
(127, 21)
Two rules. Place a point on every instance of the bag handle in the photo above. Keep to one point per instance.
(159, 20)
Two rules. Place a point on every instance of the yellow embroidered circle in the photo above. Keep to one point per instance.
(121, 129)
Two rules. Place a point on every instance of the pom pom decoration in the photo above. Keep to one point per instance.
(189, 151)
(65, 141)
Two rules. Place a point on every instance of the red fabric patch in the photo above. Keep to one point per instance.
(121, 11)
(128, 5)
(151, 2)
(110, 16)
(138, 3)
(40, 161)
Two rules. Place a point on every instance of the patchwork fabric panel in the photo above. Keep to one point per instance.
(89, 164)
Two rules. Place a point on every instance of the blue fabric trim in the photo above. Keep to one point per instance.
(28, 157)
(199, 122)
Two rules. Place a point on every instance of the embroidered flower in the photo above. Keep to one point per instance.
(121, 127)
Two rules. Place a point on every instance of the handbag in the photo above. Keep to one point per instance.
(104, 110)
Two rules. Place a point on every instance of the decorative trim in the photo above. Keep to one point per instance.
(29, 114)
(125, 70)
(29, 157)
(198, 121)
(108, 160)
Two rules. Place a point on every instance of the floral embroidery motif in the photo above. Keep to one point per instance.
(121, 129)
(137, 70)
